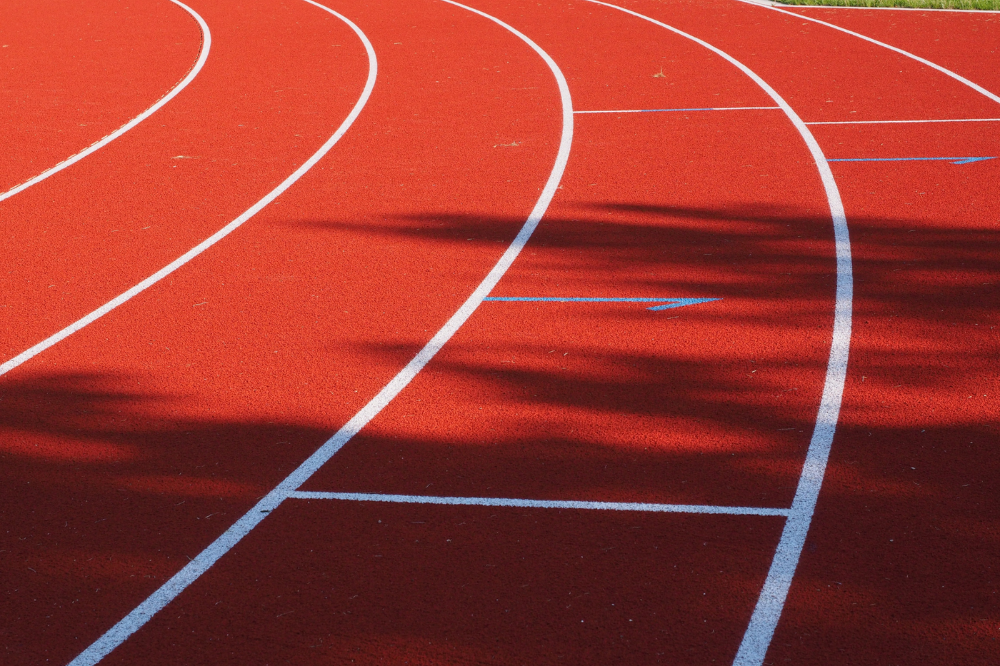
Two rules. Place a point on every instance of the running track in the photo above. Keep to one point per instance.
(634, 468)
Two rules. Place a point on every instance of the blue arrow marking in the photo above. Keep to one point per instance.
(953, 160)
(670, 302)
(681, 302)
(967, 160)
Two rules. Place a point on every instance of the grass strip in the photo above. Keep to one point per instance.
(912, 4)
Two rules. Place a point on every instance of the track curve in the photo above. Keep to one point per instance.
(206, 44)
(204, 561)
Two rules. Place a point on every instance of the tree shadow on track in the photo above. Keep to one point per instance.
(108, 489)
(907, 521)
(733, 246)
(614, 426)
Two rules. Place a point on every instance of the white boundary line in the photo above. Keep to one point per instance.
(765, 616)
(205, 46)
(943, 70)
(544, 504)
(895, 122)
(214, 238)
(208, 557)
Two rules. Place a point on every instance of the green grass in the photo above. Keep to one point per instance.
(915, 4)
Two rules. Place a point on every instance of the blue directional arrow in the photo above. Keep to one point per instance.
(953, 160)
(667, 303)
(967, 160)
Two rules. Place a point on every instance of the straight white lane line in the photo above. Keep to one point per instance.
(895, 122)
(206, 43)
(208, 242)
(544, 504)
(208, 557)
(715, 108)
(139, 616)
(765, 617)
(943, 70)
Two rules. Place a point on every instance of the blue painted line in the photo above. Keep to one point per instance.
(953, 160)
(668, 303)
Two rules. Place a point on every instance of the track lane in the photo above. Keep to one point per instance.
(209, 428)
(574, 255)
(938, 224)
(772, 596)
(731, 617)
(500, 264)
(957, 41)
(75, 73)
(423, 584)
(89, 233)
(48, 403)
(809, 53)
(908, 581)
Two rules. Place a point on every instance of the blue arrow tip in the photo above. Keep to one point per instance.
(681, 302)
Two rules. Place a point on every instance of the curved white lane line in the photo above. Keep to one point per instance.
(779, 578)
(204, 560)
(943, 70)
(205, 46)
(221, 233)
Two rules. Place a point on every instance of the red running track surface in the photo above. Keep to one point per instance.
(899, 565)
(133, 444)
(963, 42)
(73, 72)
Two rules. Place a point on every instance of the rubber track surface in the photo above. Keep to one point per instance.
(73, 72)
(130, 446)
(898, 566)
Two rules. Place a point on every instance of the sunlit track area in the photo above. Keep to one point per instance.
(498, 332)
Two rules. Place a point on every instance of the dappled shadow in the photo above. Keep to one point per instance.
(109, 488)
(901, 262)
(106, 491)
(907, 521)
(108, 420)
(513, 419)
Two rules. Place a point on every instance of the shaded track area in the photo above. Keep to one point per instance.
(152, 426)
(897, 569)
(132, 445)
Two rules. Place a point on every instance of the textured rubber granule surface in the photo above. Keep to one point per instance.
(73, 72)
(136, 440)
(897, 569)
(345, 583)
(130, 446)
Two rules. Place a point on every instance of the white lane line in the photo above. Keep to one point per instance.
(544, 504)
(924, 61)
(895, 122)
(206, 44)
(206, 558)
(211, 240)
(714, 108)
(779, 578)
